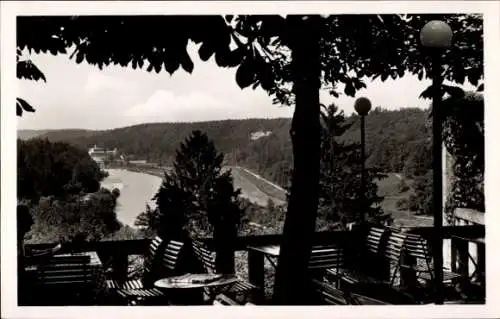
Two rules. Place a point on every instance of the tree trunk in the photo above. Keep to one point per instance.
(300, 223)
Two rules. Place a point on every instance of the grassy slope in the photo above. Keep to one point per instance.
(388, 187)
(259, 191)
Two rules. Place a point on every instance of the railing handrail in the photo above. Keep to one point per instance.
(139, 246)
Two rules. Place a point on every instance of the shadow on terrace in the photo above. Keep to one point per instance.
(367, 265)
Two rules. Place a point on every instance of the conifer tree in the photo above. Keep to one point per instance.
(339, 201)
(197, 196)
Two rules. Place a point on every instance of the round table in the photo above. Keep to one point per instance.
(195, 283)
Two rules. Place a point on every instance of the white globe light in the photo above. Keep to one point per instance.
(436, 34)
(362, 106)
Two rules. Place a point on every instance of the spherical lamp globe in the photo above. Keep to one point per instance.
(436, 34)
(362, 106)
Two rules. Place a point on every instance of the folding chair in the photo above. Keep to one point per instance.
(417, 247)
(158, 263)
(207, 259)
(372, 254)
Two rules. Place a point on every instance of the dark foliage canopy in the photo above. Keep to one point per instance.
(353, 47)
(54, 168)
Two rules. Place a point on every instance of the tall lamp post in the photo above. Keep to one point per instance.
(362, 106)
(436, 36)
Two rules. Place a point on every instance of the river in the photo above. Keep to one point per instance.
(136, 190)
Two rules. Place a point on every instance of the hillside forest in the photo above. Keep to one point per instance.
(397, 141)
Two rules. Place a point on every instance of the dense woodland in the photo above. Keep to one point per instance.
(397, 141)
(394, 141)
(60, 184)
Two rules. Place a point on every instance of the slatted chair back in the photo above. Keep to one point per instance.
(64, 271)
(328, 294)
(395, 245)
(151, 258)
(394, 252)
(325, 257)
(205, 256)
(373, 242)
(417, 247)
(172, 254)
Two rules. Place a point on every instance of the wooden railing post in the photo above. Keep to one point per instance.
(481, 263)
(224, 239)
(256, 273)
(120, 265)
(462, 250)
(453, 257)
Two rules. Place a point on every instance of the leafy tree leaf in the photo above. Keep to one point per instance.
(27, 70)
(454, 91)
(334, 94)
(187, 63)
(171, 65)
(349, 89)
(23, 105)
(206, 50)
(245, 74)
(427, 93)
(79, 57)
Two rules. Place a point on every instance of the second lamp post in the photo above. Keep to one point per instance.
(362, 106)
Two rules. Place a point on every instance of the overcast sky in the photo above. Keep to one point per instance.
(82, 96)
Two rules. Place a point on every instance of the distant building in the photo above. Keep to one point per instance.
(259, 134)
(99, 154)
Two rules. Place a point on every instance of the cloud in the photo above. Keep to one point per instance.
(98, 81)
(167, 106)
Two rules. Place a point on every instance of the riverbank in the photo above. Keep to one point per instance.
(151, 170)
(253, 187)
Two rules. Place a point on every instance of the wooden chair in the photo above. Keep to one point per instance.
(327, 260)
(158, 263)
(64, 280)
(326, 257)
(417, 247)
(207, 259)
(394, 253)
(371, 254)
(409, 255)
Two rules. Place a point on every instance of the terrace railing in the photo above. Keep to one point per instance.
(115, 254)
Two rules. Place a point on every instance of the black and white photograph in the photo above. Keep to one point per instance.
(304, 157)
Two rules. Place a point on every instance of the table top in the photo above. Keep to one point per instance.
(94, 258)
(274, 250)
(271, 250)
(186, 281)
